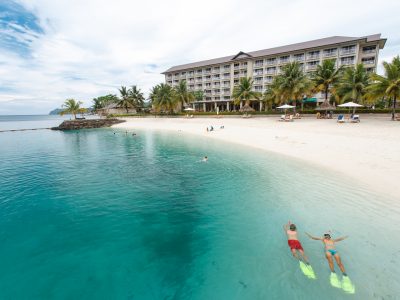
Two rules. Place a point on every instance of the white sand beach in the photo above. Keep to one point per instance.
(368, 151)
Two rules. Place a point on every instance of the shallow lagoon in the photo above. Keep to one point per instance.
(98, 215)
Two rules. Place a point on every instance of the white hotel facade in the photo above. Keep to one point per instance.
(217, 77)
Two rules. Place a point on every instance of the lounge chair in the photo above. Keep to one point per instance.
(340, 119)
(282, 118)
(355, 119)
(397, 117)
(297, 116)
(289, 118)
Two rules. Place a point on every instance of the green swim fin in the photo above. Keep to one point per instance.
(307, 270)
(347, 285)
(335, 280)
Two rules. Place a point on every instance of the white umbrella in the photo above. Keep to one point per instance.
(189, 109)
(286, 106)
(351, 104)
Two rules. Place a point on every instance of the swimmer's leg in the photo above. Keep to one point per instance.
(330, 261)
(339, 263)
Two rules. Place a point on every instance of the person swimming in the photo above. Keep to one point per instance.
(205, 159)
(330, 251)
(293, 242)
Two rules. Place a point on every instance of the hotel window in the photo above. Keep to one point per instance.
(369, 49)
(208, 85)
(298, 57)
(208, 98)
(330, 52)
(368, 61)
(284, 59)
(271, 61)
(227, 67)
(236, 81)
(199, 71)
(227, 90)
(271, 70)
(269, 79)
(347, 60)
(313, 54)
(236, 65)
(348, 49)
(227, 97)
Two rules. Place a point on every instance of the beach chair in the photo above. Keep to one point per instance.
(297, 116)
(340, 119)
(282, 118)
(289, 118)
(355, 119)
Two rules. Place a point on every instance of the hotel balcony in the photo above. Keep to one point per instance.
(271, 62)
(258, 73)
(368, 62)
(258, 65)
(216, 71)
(347, 52)
(298, 58)
(311, 67)
(313, 56)
(369, 51)
(236, 67)
(271, 72)
(347, 62)
(284, 61)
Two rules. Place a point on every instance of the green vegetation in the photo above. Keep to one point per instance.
(292, 86)
(73, 107)
(388, 85)
(103, 101)
(244, 92)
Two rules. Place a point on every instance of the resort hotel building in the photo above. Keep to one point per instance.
(217, 77)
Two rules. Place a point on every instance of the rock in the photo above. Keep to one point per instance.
(86, 124)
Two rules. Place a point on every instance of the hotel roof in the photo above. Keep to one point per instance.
(281, 50)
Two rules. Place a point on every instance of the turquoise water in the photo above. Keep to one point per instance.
(98, 215)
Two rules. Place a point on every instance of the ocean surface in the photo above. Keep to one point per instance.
(104, 214)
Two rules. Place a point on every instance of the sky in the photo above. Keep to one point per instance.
(52, 50)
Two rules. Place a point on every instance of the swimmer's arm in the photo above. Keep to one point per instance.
(313, 237)
(286, 226)
(340, 239)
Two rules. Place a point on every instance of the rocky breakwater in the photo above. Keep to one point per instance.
(86, 124)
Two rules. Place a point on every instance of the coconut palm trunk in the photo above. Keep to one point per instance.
(394, 108)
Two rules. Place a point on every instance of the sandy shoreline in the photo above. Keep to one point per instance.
(368, 152)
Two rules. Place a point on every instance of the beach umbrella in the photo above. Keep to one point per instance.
(351, 105)
(326, 106)
(246, 108)
(285, 107)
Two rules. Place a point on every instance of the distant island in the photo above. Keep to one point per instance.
(56, 111)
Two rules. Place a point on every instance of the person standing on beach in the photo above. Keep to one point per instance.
(294, 243)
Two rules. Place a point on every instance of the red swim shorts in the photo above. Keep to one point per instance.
(294, 244)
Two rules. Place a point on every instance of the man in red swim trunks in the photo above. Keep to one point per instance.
(293, 242)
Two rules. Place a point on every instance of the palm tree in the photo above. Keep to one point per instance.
(293, 83)
(352, 85)
(164, 97)
(71, 106)
(243, 92)
(137, 96)
(103, 101)
(183, 96)
(125, 101)
(272, 95)
(326, 76)
(387, 85)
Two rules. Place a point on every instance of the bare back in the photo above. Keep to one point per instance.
(292, 235)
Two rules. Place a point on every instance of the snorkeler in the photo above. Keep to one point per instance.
(293, 242)
(205, 159)
(330, 252)
(295, 245)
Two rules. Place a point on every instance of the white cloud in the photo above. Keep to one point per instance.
(92, 47)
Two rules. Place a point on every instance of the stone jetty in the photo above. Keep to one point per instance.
(86, 124)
